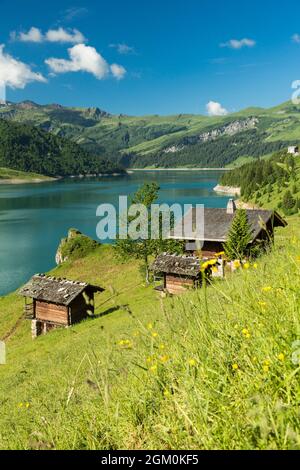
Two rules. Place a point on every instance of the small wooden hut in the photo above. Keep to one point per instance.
(57, 302)
(179, 273)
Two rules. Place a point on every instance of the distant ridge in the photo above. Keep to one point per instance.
(181, 140)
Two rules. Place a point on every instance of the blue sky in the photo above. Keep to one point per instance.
(159, 57)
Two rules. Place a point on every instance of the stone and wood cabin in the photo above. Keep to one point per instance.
(217, 223)
(179, 273)
(184, 272)
(57, 302)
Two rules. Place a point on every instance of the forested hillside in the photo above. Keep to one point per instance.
(29, 149)
(270, 182)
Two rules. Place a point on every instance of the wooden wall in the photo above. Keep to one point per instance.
(46, 311)
(178, 284)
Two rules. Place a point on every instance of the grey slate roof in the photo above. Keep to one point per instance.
(217, 223)
(181, 265)
(55, 290)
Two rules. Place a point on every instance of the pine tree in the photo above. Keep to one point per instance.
(288, 201)
(239, 237)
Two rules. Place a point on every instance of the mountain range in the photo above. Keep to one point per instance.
(182, 140)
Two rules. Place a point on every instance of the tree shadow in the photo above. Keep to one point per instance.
(110, 310)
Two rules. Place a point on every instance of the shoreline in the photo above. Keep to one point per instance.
(179, 169)
(16, 181)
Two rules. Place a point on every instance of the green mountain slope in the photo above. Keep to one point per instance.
(214, 369)
(30, 149)
(273, 182)
(180, 140)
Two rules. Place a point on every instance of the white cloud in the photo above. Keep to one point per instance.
(118, 71)
(215, 109)
(82, 58)
(71, 36)
(123, 49)
(33, 35)
(239, 43)
(16, 74)
(65, 36)
(296, 38)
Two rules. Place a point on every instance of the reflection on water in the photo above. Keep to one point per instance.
(34, 217)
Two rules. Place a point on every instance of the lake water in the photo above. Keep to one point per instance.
(34, 217)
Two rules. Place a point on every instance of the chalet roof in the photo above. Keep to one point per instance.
(173, 264)
(217, 223)
(55, 290)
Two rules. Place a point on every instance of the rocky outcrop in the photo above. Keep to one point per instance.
(174, 149)
(95, 113)
(227, 130)
(230, 190)
(60, 256)
(74, 246)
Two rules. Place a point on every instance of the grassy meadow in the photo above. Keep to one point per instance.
(9, 175)
(213, 369)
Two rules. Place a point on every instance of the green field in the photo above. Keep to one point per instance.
(13, 175)
(213, 369)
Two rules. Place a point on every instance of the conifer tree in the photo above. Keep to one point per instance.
(288, 201)
(239, 237)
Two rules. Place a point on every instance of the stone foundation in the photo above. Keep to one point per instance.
(39, 328)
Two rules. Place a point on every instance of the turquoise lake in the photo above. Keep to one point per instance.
(34, 217)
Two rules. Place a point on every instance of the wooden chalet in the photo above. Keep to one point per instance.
(57, 302)
(217, 223)
(179, 273)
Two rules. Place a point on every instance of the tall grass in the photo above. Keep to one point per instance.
(178, 373)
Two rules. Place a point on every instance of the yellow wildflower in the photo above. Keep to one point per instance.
(267, 289)
(153, 368)
(262, 304)
(212, 262)
(235, 367)
(126, 343)
(20, 405)
(266, 368)
(150, 359)
(246, 266)
(167, 393)
(192, 362)
(236, 264)
(255, 265)
(281, 357)
(162, 347)
(267, 363)
(246, 333)
(154, 335)
(150, 326)
(204, 266)
(27, 405)
(164, 359)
